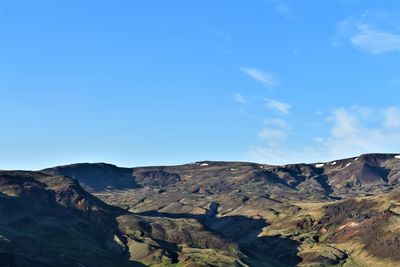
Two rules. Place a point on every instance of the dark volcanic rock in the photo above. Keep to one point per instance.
(202, 214)
(96, 176)
(53, 224)
(156, 177)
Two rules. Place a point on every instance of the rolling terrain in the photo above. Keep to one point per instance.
(339, 213)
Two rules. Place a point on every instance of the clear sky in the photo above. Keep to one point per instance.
(168, 82)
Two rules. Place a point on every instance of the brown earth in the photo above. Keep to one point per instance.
(342, 213)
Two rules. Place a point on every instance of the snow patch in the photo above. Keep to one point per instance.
(333, 163)
(233, 169)
(397, 157)
(319, 165)
(204, 164)
(348, 164)
(355, 159)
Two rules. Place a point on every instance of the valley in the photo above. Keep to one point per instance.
(339, 213)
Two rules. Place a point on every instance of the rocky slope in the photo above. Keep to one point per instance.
(345, 212)
(49, 221)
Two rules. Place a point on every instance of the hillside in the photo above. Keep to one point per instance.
(345, 212)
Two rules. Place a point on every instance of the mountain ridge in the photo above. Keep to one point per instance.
(343, 212)
(331, 176)
(367, 155)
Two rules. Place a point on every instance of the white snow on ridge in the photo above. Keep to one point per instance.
(319, 165)
(204, 164)
(348, 164)
(333, 163)
(355, 159)
(397, 157)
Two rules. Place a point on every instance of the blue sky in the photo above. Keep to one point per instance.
(147, 83)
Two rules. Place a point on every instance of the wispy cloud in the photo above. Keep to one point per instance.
(267, 79)
(282, 153)
(355, 133)
(219, 39)
(276, 123)
(375, 41)
(275, 131)
(272, 135)
(239, 98)
(391, 117)
(280, 107)
(352, 131)
(363, 34)
(283, 9)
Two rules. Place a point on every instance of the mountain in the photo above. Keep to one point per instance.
(344, 212)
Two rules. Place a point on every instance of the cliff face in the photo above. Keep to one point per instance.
(203, 214)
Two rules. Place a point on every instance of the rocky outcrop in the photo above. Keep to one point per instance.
(203, 214)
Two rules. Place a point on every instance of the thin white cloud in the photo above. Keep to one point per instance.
(277, 123)
(375, 41)
(266, 78)
(366, 36)
(272, 135)
(278, 106)
(344, 29)
(351, 131)
(239, 98)
(391, 117)
(284, 10)
(280, 154)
